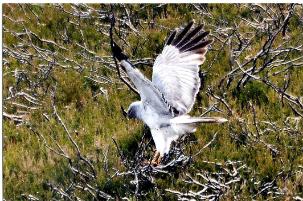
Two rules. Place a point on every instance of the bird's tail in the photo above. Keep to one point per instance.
(185, 119)
(187, 124)
(208, 119)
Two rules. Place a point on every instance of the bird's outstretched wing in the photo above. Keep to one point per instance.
(149, 94)
(176, 69)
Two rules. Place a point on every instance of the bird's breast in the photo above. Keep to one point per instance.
(152, 119)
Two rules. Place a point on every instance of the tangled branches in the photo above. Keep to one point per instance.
(250, 76)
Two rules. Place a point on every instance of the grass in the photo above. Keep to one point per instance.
(94, 120)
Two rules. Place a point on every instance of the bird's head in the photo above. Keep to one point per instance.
(134, 110)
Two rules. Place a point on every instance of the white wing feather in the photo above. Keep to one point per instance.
(177, 77)
(176, 69)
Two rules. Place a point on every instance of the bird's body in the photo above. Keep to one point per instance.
(164, 128)
(166, 100)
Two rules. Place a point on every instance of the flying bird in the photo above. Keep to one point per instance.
(169, 97)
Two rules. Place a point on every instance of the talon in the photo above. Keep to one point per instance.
(156, 157)
(159, 160)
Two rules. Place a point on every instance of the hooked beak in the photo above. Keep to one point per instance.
(124, 112)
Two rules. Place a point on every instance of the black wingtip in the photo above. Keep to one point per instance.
(118, 53)
(192, 44)
(183, 33)
(192, 33)
(189, 38)
(200, 45)
(171, 37)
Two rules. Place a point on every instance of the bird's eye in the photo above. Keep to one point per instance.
(132, 113)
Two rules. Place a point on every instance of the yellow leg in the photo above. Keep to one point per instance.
(156, 158)
(159, 160)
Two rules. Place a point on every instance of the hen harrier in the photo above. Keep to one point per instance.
(166, 100)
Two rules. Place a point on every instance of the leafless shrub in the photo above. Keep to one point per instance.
(34, 82)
